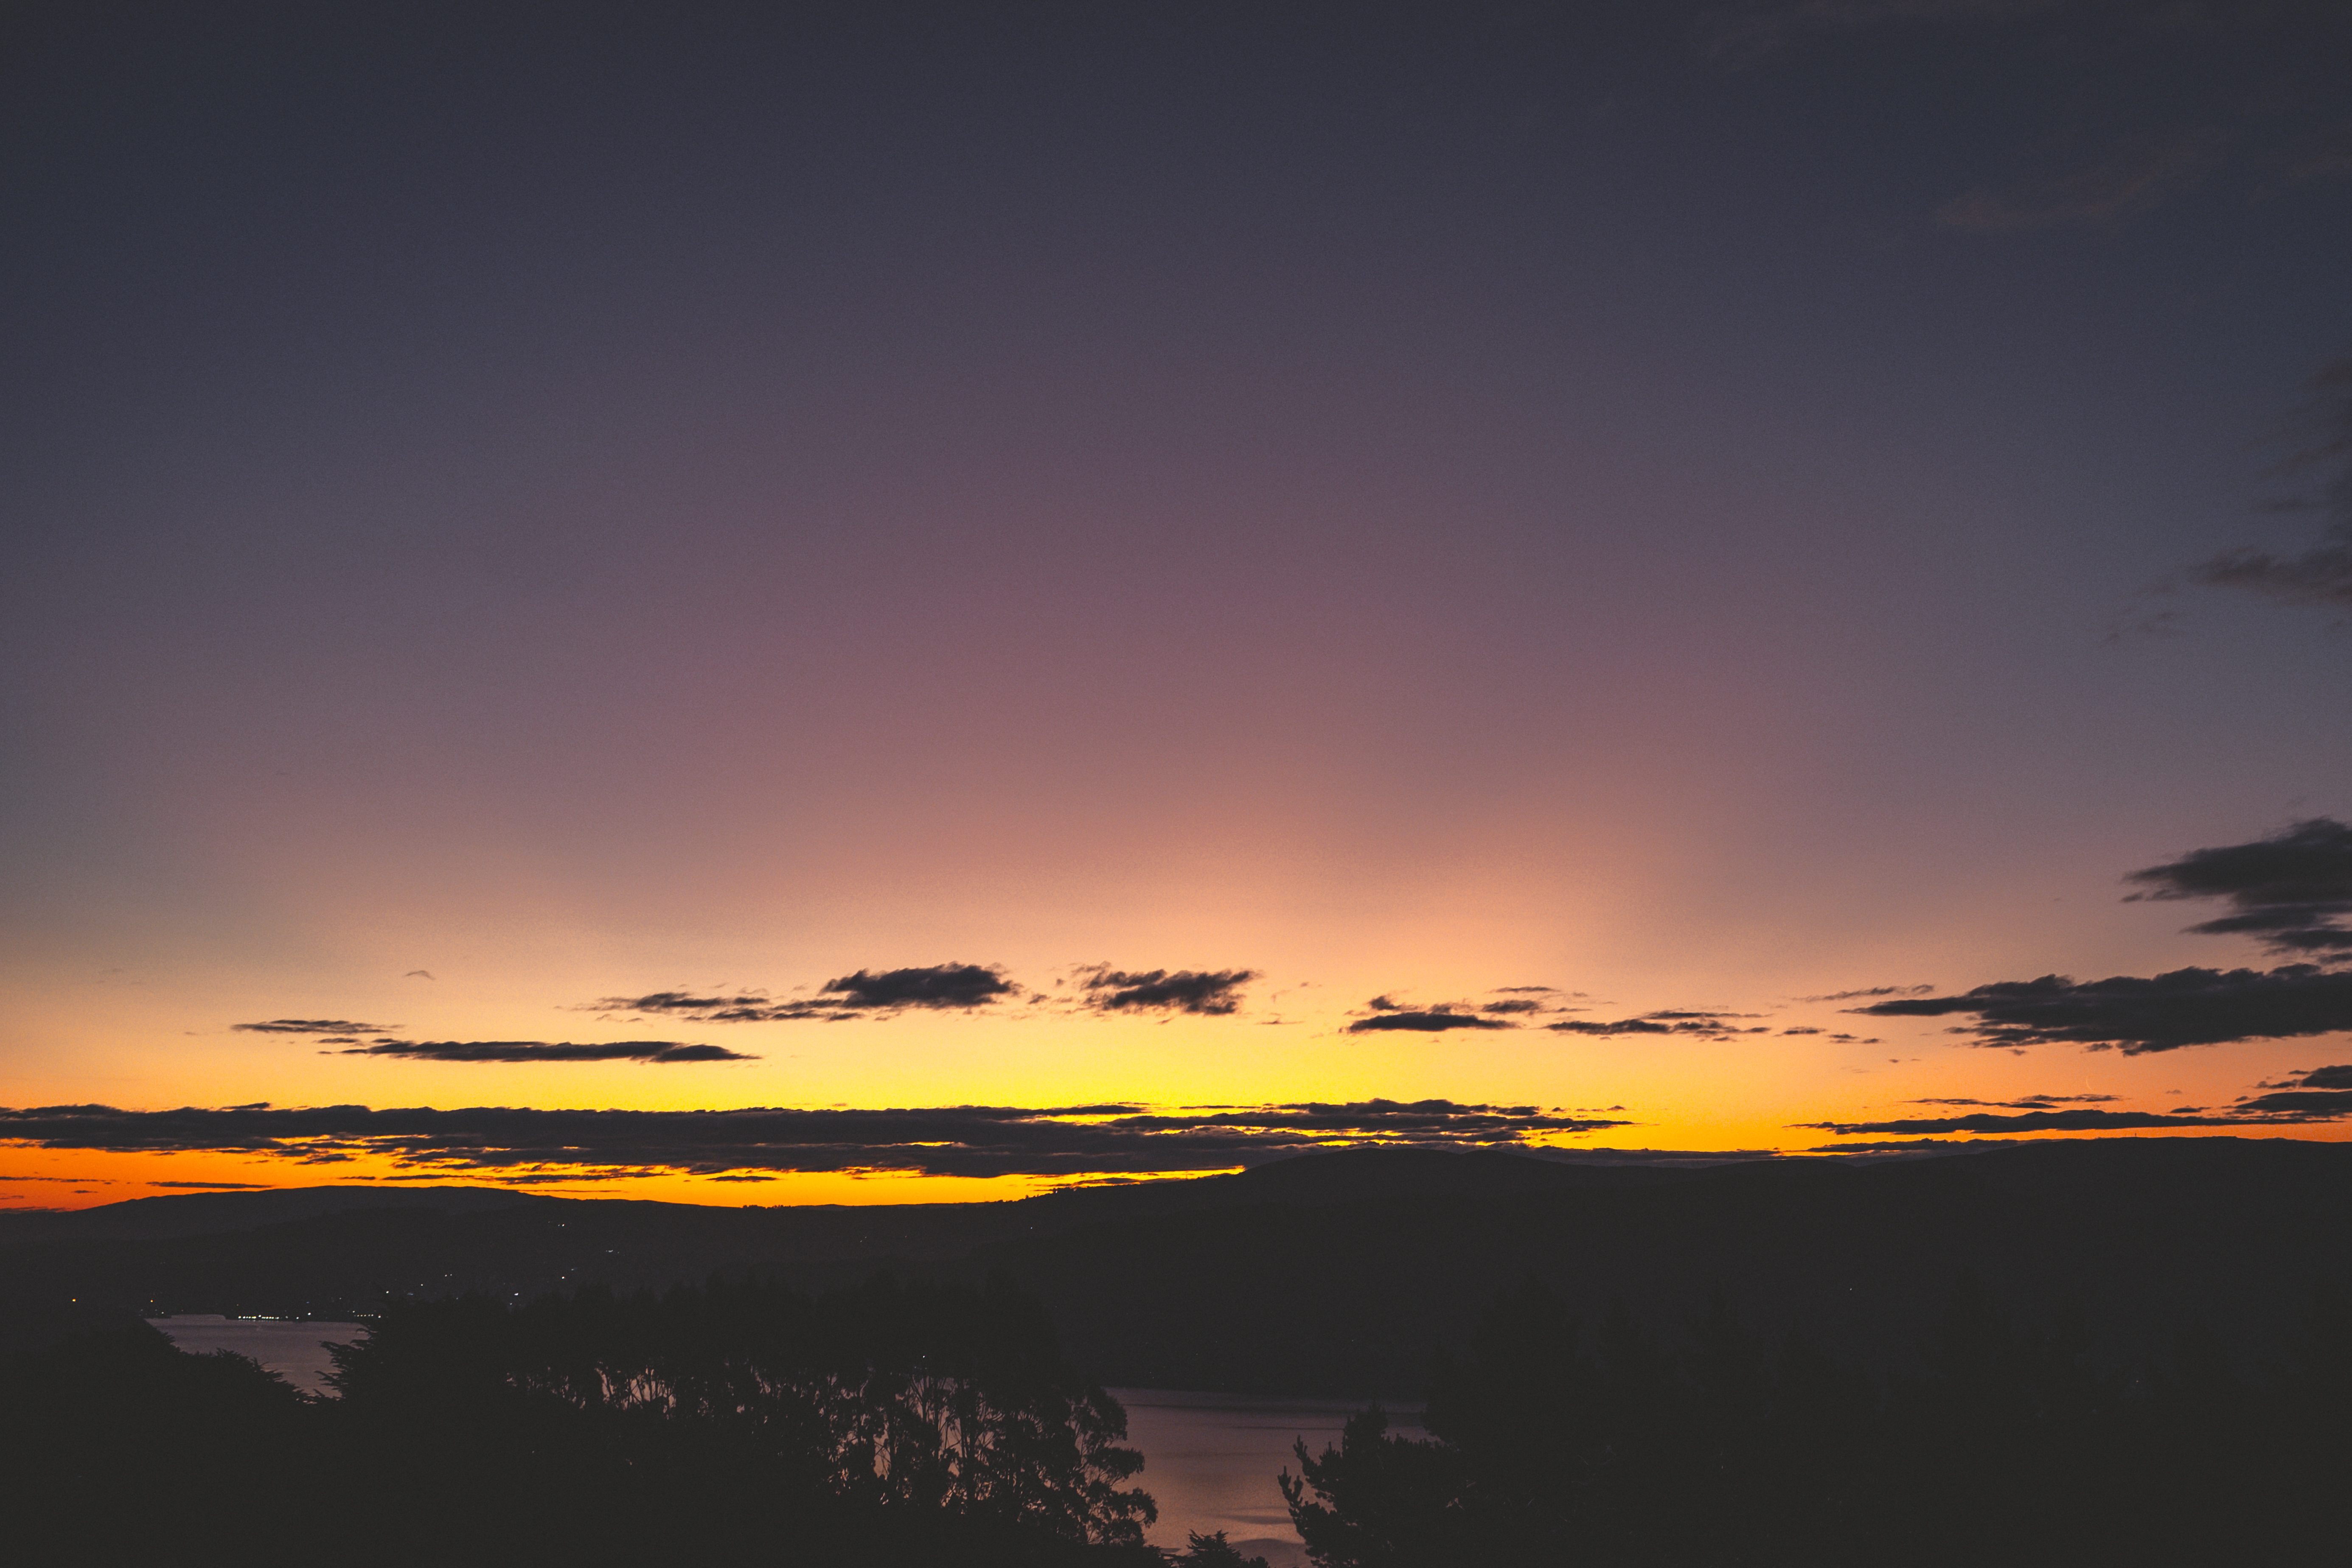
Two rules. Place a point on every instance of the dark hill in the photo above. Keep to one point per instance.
(216, 1214)
(1343, 1273)
(1356, 1175)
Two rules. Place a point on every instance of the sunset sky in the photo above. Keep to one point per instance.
(1193, 567)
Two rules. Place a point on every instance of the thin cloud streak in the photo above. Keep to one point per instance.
(2135, 178)
(657, 1051)
(2320, 576)
(2078, 1121)
(1689, 1022)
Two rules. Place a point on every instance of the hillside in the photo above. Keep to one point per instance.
(1339, 1273)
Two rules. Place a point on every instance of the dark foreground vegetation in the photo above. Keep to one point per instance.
(2147, 1360)
(745, 1422)
(1558, 1443)
(735, 1423)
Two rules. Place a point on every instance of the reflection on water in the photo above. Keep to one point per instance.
(1210, 1460)
(292, 1348)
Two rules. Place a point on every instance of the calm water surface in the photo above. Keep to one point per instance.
(1210, 1459)
(295, 1350)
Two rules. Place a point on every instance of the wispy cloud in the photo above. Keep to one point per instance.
(2321, 1095)
(1695, 1024)
(2137, 176)
(313, 1027)
(2320, 576)
(2247, 1113)
(1871, 991)
(865, 993)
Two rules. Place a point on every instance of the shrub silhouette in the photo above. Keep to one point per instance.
(1552, 1445)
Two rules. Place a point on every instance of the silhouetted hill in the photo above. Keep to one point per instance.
(1354, 1175)
(2141, 1238)
(216, 1214)
(1343, 1273)
(30, 1325)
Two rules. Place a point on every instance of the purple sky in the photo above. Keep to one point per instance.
(1693, 507)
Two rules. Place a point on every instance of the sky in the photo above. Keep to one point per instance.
(807, 604)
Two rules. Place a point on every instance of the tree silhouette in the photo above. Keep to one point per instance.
(1213, 1552)
(738, 1422)
(2000, 1442)
(888, 1398)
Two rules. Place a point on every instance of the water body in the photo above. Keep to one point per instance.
(1210, 1459)
(295, 1348)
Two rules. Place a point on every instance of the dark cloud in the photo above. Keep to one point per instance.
(312, 1027)
(2325, 1092)
(2320, 574)
(2134, 1015)
(937, 986)
(1203, 991)
(218, 1186)
(1669, 1021)
(967, 1140)
(862, 994)
(2082, 1121)
(1387, 1013)
(2292, 890)
(661, 1051)
(1387, 1016)
(2029, 1102)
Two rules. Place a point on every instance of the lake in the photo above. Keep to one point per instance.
(289, 1347)
(1209, 1459)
